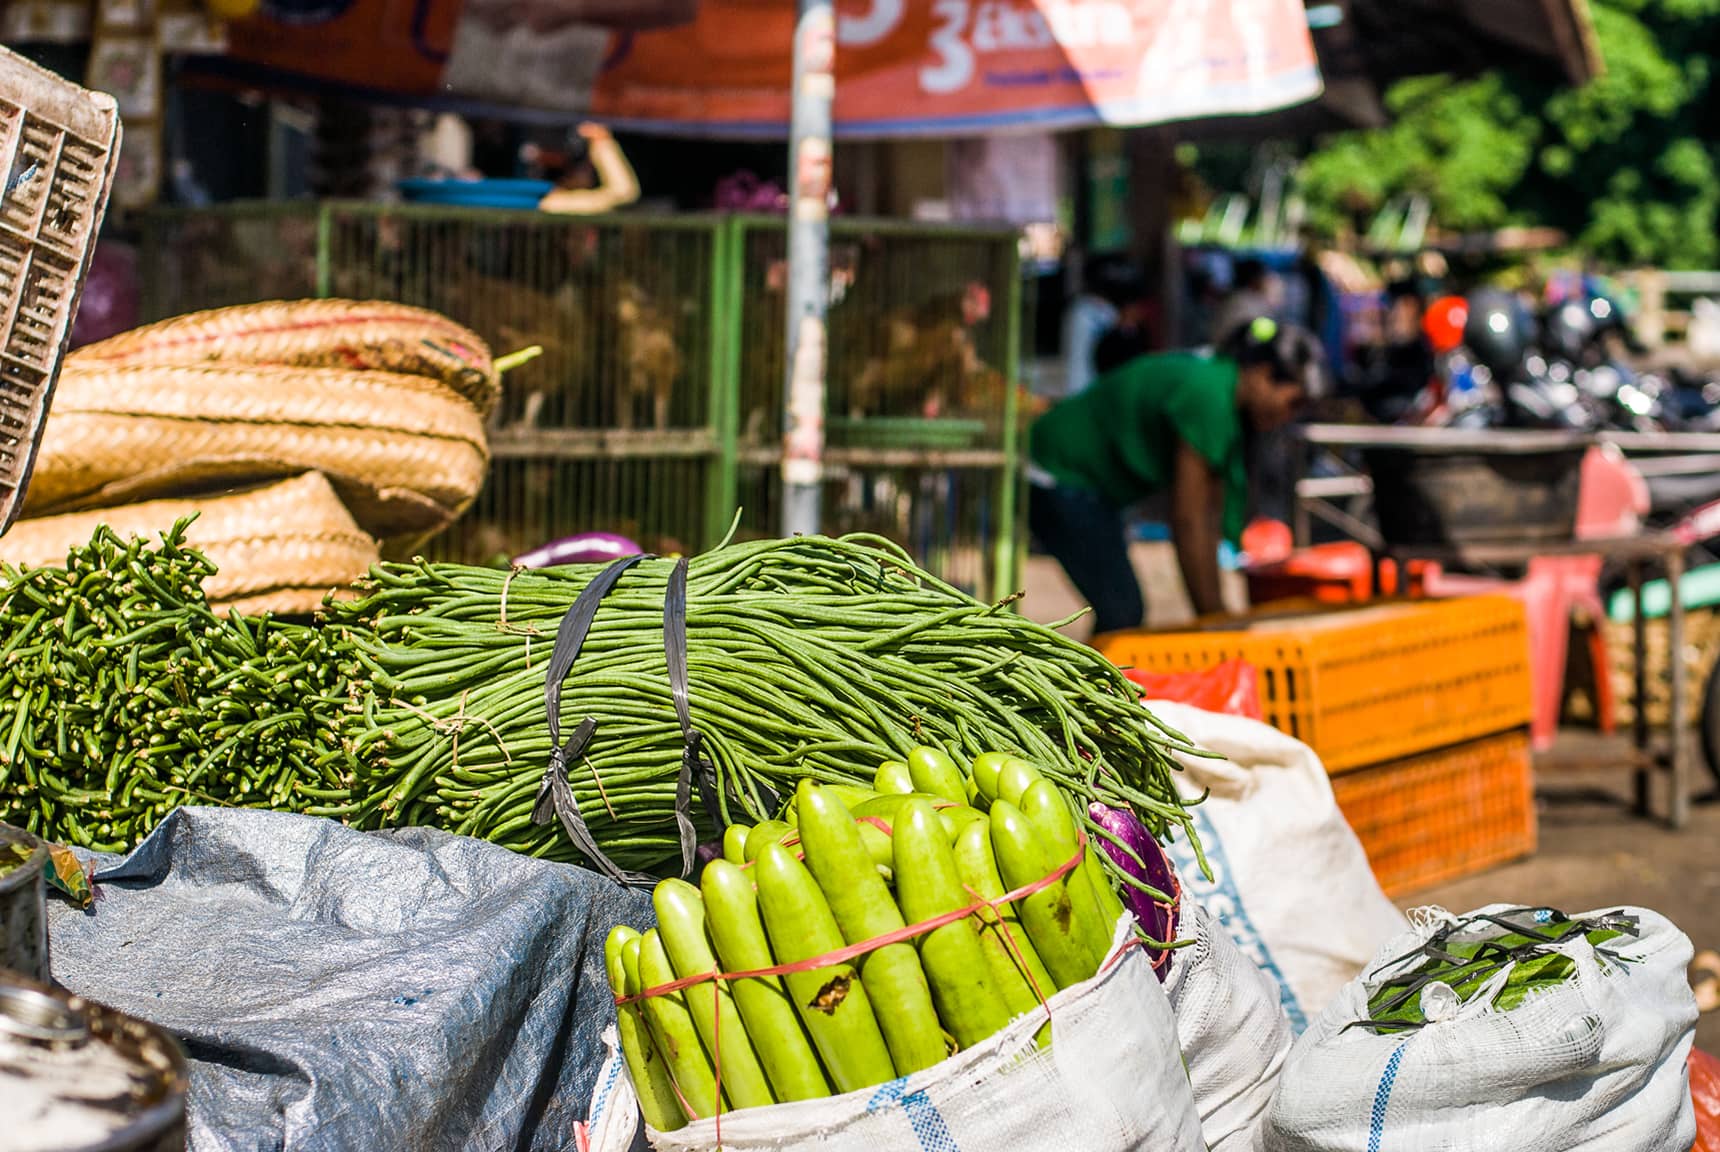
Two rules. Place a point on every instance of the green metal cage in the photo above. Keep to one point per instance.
(655, 409)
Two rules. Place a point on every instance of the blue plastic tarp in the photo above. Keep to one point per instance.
(337, 989)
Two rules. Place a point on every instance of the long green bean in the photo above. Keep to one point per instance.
(422, 698)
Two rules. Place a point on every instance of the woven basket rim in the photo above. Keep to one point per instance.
(340, 334)
(382, 510)
(112, 388)
(209, 324)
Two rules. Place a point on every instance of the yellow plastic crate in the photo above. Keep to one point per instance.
(1443, 815)
(1367, 684)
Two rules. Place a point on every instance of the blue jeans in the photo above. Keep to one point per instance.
(1089, 538)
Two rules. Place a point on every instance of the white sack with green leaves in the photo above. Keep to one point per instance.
(1594, 1062)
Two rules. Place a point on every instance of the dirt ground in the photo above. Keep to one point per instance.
(1594, 851)
(1051, 597)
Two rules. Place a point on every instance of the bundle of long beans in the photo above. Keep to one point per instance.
(122, 696)
(423, 700)
(807, 657)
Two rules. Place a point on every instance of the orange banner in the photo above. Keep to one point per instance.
(393, 46)
(903, 67)
(955, 67)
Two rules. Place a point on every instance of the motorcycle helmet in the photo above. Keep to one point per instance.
(1443, 322)
(1568, 329)
(1496, 331)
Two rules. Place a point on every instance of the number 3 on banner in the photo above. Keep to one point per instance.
(955, 67)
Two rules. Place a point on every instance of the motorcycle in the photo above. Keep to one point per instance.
(1501, 366)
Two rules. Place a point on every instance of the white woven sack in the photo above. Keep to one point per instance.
(1290, 881)
(1232, 1029)
(1111, 1081)
(1597, 1062)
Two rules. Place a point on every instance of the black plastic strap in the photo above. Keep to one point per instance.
(694, 766)
(555, 800)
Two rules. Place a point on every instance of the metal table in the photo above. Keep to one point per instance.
(1636, 553)
(1326, 497)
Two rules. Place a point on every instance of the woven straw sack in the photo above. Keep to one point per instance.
(361, 335)
(405, 455)
(1701, 652)
(281, 548)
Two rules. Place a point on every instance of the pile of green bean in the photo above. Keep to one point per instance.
(421, 701)
(123, 696)
(807, 657)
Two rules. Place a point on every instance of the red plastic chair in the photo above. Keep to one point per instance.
(1335, 573)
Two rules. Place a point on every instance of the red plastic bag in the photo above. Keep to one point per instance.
(1232, 687)
(1705, 1095)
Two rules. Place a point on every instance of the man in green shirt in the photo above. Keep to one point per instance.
(1177, 423)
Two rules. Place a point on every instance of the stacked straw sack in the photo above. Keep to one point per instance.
(302, 433)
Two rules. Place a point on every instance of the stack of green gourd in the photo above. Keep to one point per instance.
(844, 867)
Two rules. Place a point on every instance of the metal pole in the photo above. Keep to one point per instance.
(809, 160)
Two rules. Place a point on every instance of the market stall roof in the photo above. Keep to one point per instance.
(1365, 45)
(1387, 40)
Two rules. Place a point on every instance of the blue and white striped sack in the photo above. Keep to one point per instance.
(1290, 882)
(612, 1121)
(1111, 1081)
(1597, 1062)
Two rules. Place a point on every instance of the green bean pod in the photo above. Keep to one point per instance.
(765, 833)
(893, 777)
(986, 767)
(772, 1022)
(1015, 778)
(1016, 969)
(673, 1029)
(928, 886)
(1048, 812)
(1048, 915)
(645, 1065)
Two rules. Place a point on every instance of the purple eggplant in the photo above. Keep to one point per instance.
(585, 548)
(1158, 920)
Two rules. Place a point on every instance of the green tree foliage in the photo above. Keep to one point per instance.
(1628, 165)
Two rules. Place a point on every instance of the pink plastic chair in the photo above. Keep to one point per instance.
(1611, 502)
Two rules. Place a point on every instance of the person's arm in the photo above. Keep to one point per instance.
(1195, 505)
(614, 174)
(1077, 349)
(617, 186)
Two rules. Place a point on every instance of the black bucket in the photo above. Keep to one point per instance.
(1482, 488)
